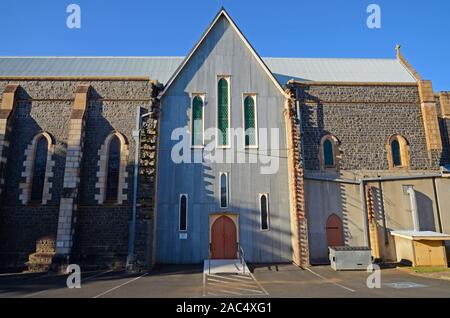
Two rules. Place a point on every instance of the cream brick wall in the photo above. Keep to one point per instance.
(7, 104)
(68, 205)
(430, 118)
(444, 98)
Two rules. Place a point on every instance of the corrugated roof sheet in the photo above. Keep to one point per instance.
(339, 70)
(161, 68)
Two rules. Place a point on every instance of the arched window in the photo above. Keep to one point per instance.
(112, 170)
(183, 212)
(264, 210)
(328, 152)
(396, 156)
(197, 121)
(223, 190)
(223, 111)
(328, 156)
(112, 176)
(398, 152)
(39, 169)
(250, 121)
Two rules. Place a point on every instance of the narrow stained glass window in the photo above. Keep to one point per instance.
(223, 111)
(223, 190)
(249, 121)
(264, 208)
(40, 164)
(328, 155)
(183, 212)
(396, 155)
(112, 177)
(197, 121)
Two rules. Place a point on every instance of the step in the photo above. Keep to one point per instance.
(225, 266)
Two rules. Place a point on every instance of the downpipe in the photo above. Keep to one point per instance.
(131, 264)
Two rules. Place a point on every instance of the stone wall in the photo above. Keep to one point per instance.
(362, 118)
(111, 108)
(32, 117)
(21, 228)
(101, 231)
(444, 125)
(101, 235)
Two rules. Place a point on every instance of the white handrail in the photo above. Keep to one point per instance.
(241, 258)
(209, 259)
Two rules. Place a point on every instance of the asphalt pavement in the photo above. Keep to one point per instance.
(189, 282)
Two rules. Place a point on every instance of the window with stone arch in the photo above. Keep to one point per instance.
(397, 148)
(329, 152)
(38, 170)
(112, 170)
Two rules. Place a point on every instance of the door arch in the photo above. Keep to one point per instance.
(335, 231)
(223, 238)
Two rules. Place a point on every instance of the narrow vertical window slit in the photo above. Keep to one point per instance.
(39, 168)
(250, 121)
(183, 212)
(223, 111)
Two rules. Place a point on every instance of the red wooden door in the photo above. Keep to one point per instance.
(335, 231)
(223, 239)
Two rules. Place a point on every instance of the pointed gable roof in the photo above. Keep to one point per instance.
(222, 13)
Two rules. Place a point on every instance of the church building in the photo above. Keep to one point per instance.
(221, 154)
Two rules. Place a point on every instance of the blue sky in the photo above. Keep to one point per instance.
(275, 28)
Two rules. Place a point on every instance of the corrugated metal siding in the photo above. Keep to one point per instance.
(161, 68)
(222, 52)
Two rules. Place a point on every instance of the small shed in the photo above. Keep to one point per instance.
(421, 248)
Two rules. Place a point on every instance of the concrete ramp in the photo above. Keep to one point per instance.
(229, 278)
(225, 266)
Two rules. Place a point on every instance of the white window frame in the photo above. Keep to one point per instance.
(260, 212)
(179, 212)
(227, 192)
(252, 95)
(203, 97)
(228, 79)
